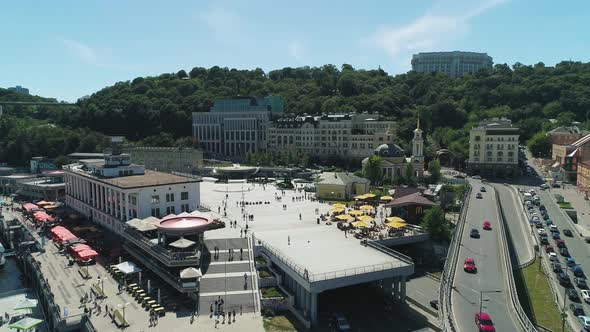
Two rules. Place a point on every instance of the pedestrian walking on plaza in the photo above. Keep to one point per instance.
(241, 253)
(241, 232)
(300, 216)
(288, 240)
(211, 310)
(234, 312)
(240, 310)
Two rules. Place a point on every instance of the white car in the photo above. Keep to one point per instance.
(553, 257)
(585, 322)
(534, 214)
(585, 295)
(553, 228)
(532, 192)
(544, 186)
(535, 219)
(521, 190)
(542, 231)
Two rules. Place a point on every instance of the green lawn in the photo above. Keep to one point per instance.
(536, 297)
(271, 292)
(264, 272)
(280, 324)
(565, 205)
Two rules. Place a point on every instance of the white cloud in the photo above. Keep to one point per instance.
(438, 27)
(297, 50)
(82, 52)
(223, 23)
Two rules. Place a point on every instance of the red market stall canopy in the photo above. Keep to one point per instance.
(61, 234)
(30, 207)
(58, 229)
(80, 247)
(87, 254)
(42, 216)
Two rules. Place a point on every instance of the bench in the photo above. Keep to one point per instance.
(119, 320)
(98, 292)
(148, 304)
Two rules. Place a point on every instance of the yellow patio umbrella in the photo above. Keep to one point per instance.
(395, 219)
(343, 217)
(359, 224)
(360, 196)
(338, 205)
(356, 213)
(366, 207)
(337, 210)
(386, 198)
(395, 224)
(365, 218)
(370, 195)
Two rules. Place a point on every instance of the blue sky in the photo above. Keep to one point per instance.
(68, 49)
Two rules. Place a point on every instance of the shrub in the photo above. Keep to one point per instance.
(268, 312)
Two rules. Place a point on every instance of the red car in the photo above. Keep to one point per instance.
(484, 322)
(549, 249)
(469, 265)
(487, 225)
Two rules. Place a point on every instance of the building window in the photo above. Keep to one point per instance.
(155, 199)
(170, 210)
(184, 208)
(184, 195)
(477, 138)
(169, 197)
(156, 212)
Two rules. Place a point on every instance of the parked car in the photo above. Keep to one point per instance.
(521, 190)
(560, 243)
(542, 231)
(539, 224)
(484, 322)
(555, 236)
(577, 309)
(585, 295)
(542, 207)
(577, 270)
(548, 222)
(469, 265)
(549, 249)
(479, 195)
(553, 257)
(556, 267)
(581, 283)
(572, 294)
(474, 233)
(434, 304)
(544, 240)
(564, 279)
(482, 189)
(341, 322)
(553, 229)
(476, 177)
(570, 261)
(564, 252)
(487, 225)
(544, 186)
(555, 185)
(585, 322)
(568, 232)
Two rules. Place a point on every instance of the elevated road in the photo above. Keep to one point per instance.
(491, 274)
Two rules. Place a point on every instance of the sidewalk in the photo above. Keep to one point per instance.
(582, 206)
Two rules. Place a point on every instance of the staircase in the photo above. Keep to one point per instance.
(223, 275)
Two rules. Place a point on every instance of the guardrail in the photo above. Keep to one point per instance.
(446, 280)
(523, 319)
(528, 218)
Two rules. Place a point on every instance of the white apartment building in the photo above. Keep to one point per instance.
(493, 148)
(454, 64)
(113, 191)
(346, 135)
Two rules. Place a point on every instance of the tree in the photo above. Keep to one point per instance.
(409, 177)
(372, 170)
(434, 170)
(181, 74)
(436, 225)
(540, 144)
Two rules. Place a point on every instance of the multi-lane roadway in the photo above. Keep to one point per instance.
(491, 268)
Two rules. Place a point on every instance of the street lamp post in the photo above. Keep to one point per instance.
(563, 311)
(481, 293)
(123, 307)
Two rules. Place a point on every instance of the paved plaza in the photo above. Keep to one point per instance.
(323, 250)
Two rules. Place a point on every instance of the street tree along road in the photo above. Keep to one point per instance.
(491, 274)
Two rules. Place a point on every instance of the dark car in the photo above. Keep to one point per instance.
(572, 294)
(542, 207)
(578, 272)
(544, 240)
(564, 279)
(434, 304)
(564, 252)
(556, 268)
(581, 283)
(560, 243)
(474, 233)
(568, 232)
(549, 249)
(555, 236)
(555, 185)
(479, 195)
(577, 309)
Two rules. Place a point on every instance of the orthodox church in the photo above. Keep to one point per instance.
(393, 159)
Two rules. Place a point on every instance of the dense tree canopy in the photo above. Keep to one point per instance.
(448, 108)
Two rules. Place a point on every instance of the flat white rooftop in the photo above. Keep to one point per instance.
(321, 249)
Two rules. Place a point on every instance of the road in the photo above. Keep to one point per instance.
(491, 273)
(518, 226)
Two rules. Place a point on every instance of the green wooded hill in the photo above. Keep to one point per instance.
(159, 108)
